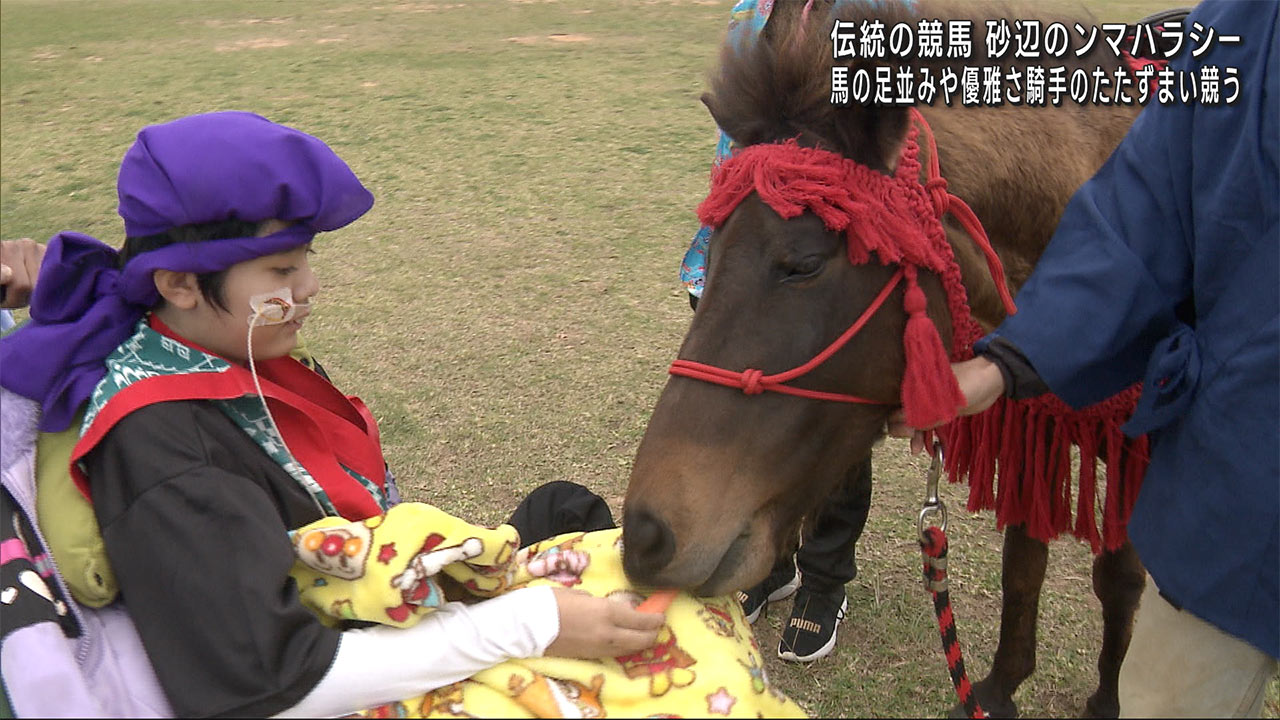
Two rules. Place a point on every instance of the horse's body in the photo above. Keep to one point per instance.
(723, 479)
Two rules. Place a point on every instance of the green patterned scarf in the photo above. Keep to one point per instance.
(148, 354)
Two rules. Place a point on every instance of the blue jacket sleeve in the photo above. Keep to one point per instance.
(1109, 285)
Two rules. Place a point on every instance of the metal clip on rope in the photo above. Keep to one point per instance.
(934, 581)
(932, 503)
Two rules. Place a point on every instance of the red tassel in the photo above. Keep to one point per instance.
(1059, 480)
(1036, 505)
(988, 447)
(930, 393)
(1086, 503)
(1112, 523)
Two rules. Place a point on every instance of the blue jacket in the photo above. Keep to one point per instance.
(1164, 269)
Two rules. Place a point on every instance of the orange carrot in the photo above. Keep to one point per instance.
(658, 601)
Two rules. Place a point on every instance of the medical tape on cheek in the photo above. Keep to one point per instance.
(273, 308)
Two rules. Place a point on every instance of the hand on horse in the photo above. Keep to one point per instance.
(982, 384)
(19, 266)
(593, 627)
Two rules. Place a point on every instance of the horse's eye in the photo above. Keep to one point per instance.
(804, 268)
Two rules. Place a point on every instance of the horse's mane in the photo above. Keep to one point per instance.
(780, 87)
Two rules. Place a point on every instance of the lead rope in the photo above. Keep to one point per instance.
(933, 545)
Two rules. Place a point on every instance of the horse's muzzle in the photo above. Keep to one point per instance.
(650, 557)
(648, 546)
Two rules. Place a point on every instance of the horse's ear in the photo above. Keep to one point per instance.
(783, 21)
(790, 16)
(743, 132)
(889, 132)
(872, 134)
(710, 101)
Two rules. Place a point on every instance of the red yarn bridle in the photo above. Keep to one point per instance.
(894, 217)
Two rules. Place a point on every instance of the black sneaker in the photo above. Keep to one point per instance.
(778, 586)
(811, 631)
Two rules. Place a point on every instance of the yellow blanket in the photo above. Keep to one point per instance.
(388, 568)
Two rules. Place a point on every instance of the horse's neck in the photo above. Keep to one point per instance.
(984, 300)
(1017, 176)
(975, 273)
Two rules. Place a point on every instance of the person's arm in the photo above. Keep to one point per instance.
(382, 664)
(1108, 286)
(378, 665)
(19, 268)
(200, 549)
(1021, 381)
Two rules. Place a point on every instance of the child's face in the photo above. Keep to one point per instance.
(225, 333)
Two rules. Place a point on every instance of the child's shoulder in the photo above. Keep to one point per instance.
(163, 440)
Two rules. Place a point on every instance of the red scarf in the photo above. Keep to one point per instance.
(322, 428)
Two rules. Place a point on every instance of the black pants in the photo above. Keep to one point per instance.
(826, 554)
(559, 507)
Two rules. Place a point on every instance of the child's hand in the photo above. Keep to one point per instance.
(592, 627)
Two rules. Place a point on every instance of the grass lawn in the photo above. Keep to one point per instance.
(509, 306)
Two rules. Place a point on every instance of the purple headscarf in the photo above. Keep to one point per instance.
(198, 169)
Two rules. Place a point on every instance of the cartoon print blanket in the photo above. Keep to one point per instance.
(389, 569)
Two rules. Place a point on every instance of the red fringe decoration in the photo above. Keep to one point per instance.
(1026, 478)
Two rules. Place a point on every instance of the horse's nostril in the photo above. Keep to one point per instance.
(647, 545)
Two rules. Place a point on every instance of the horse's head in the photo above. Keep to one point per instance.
(723, 478)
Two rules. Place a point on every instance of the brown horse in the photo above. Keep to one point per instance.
(723, 479)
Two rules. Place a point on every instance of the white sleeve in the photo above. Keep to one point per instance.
(384, 664)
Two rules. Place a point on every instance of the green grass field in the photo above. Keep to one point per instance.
(509, 306)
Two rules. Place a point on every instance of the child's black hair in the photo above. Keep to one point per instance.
(211, 284)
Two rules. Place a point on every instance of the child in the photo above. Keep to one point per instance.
(203, 442)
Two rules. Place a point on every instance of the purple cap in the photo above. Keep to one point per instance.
(219, 166)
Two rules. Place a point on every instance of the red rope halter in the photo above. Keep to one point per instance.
(894, 217)
(754, 382)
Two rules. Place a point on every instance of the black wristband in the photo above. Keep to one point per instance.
(1021, 381)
